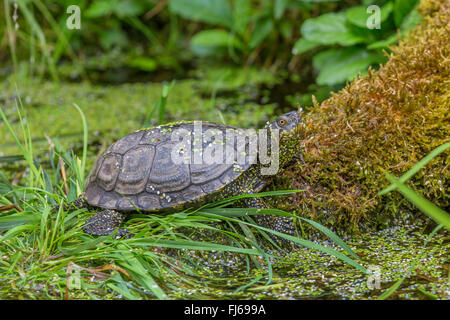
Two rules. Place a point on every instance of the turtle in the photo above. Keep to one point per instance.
(152, 170)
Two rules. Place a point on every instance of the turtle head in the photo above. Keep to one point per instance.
(289, 126)
(287, 122)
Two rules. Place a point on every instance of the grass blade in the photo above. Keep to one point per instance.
(13, 220)
(241, 212)
(253, 195)
(191, 245)
(245, 286)
(427, 207)
(318, 247)
(332, 236)
(416, 168)
(85, 141)
(302, 242)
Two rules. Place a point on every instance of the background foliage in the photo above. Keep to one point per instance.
(321, 43)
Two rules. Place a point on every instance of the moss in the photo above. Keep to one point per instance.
(387, 120)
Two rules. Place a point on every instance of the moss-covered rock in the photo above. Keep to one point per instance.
(385, 121)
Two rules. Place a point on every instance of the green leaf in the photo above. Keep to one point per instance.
(123, 290)
(121, 287)
(242, 212)
(217, 12)
(215, 38)
(129, 8)
(359, 15)
(300, 241)
(262, 30)
(100, 8)
(204, 51)
(285, 28)
(340, 65)
(180, 215)
(401, 9)
(330, 28)
(411, 21)
(383, 43)
(242, 11)
(13, 232)
(113, 37)
(17, 219)
(303, 45)
(279, 7)
(316, 1)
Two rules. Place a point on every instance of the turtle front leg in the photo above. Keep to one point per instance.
(270, 221)
(105, 223)
(254, 184)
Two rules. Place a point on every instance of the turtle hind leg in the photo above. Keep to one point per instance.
(105, 223)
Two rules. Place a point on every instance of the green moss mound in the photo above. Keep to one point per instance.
(385, 121)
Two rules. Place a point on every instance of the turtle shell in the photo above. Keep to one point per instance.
(145, 169)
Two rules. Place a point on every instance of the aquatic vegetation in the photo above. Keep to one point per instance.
(369, 150)
(306, 274)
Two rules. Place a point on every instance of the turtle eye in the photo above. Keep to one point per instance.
(281, 122)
